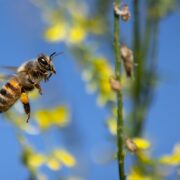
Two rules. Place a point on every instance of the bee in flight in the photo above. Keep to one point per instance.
(27, 77)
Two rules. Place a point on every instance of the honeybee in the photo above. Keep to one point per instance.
(26, 78)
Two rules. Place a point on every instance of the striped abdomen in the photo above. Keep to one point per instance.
(9, 94)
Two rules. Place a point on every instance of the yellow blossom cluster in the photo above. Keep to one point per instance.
(57, 116)
(61, 32)
(55, 160)
(75, 29)
(98, 79)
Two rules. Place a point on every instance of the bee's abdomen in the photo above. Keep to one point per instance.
(9, 94)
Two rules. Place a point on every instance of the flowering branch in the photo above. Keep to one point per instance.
(120, 153)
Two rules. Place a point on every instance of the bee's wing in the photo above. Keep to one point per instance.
(11, 68)
(5, 77)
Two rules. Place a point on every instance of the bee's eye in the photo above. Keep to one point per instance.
(42, 61)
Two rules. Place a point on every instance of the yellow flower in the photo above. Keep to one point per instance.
(56, 32)
(102, 71)
(43, 119)
(173, 159)
(105, 86)
(64, 157)
(76, 34)
(53, 164)
(168, 160)
(50, 117)
(102, 67)
(35, 160)
(136, 175)
(141, 143)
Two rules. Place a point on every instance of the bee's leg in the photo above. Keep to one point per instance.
(47, 77)
(25, 101)
(39, 88)
(50, 76)
(35, 85)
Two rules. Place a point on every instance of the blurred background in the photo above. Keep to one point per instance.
(72, 131)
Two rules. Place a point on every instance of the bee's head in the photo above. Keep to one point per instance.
(45, 62)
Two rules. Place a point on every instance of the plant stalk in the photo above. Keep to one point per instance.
(120, 141)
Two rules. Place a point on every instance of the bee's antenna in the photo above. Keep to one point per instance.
(54, 54)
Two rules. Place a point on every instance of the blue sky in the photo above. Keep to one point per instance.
(21, 41)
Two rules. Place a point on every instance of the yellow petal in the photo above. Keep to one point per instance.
(174, 158)
(36, 160)
(76, 34)
(141, 143)
(50, 117)
(53, 164)
(105, 86)
(60, 116)
(43, 119)
(168, 160)
(103, 67)
(55, 33)
(66, 158)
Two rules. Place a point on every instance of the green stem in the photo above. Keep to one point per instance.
(137, 85)
(145, 53)
(120, 153)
